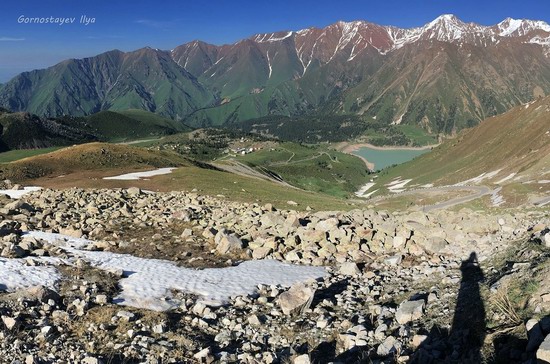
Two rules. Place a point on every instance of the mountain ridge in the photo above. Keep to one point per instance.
(345, 68)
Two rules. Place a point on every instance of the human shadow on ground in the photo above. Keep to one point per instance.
(464, 342)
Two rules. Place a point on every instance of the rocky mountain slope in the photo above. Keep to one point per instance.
(404, 287)
(391, 74)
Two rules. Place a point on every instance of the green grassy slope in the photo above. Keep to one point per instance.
(14, 155)
(313, 168)
(85, 166)
(517, 141)
(154, 119)
(131, 125)
(87, 157)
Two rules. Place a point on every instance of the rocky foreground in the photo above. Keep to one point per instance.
(400, 287)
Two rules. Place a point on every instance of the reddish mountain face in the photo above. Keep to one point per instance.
(442, 76)
(351, 40)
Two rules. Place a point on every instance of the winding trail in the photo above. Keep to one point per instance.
(287, 162)
(242, 169)
(477, 192)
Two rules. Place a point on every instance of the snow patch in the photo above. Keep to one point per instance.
(510, 176)
(479, 178)
(397, 186)
(509, 26)
(269, 65)
(138, 175)
(261, 38)
(16, 274)
(147, 283)
(20, 193)
(60, 240)
(496, 197)
(364, 189)
(367, 195)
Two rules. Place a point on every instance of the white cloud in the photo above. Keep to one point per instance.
(11, 39)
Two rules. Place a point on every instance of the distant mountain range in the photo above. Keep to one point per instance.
(443, 76)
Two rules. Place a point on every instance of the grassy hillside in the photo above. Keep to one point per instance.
(204, 144)
(21, 130)
(87, 157)
(14, 155)
(86, 165)
(131, 125)
(154, 119)
(515, 144)
(313, 168)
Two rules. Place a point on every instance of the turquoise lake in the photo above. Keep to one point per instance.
(388, 157)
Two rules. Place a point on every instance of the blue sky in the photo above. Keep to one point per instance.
(164, 24)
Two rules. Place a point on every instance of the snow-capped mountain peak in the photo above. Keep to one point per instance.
(510, 27)
(350, 39)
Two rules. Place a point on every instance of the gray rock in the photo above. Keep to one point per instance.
(203, 354)
(297, 299)
(101, 299)
(302, 359)
(261, 252)
(393, 260)
(254, 320)
(126, 315)
(133, 191)
(543, 353)
(349, 269)
(9, 322)
(228, 243)
(91, 360)
(389, 346)
(159, 328)
(409, 311)
(327, 225)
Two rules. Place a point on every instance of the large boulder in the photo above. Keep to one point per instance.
(409, 311)
(297, 299)
(228, 243)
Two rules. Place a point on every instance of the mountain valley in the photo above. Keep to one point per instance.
(356, 193)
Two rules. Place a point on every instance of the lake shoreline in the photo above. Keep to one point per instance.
(350, 148)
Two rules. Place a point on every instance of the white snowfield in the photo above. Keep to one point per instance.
(20, 193)
(15, 273)
(147, 283)
(138, 175)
